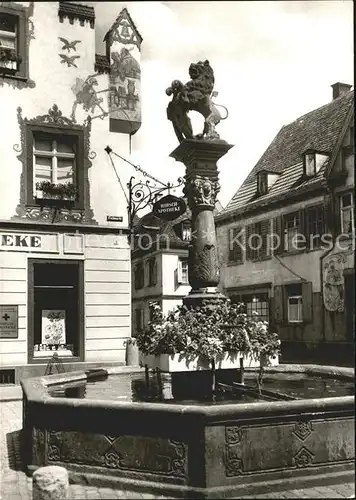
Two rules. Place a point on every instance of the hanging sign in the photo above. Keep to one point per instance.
(169, 207)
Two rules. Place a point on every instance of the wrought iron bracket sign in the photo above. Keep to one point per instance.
(144, 194)
(169, 207)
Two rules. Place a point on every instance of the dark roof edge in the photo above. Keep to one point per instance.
(76, 11)
(289, 195)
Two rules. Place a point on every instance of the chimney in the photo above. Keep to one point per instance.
(340, 89)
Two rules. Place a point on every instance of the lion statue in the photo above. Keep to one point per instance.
(195, 95)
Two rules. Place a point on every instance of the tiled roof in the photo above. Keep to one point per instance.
(319, 130)
(102, 64)
(285, 182)
(77, 11)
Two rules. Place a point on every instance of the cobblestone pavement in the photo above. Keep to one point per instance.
(15, 485)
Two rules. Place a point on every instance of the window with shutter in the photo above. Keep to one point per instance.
(277, 239)
(307, 294)
(152, 272)
(278, 304)
(139, 319)
(347, 213)
(248, 241)
(259, 239)
(315, 226)
(139, 277)
(235, 243)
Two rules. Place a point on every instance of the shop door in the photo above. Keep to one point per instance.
(56, 310)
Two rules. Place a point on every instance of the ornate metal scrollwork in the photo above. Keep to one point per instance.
(144, 194)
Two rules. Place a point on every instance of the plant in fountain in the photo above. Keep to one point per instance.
(209, 331)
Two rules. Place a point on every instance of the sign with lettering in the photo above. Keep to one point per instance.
(29, 242)
(169, 207)
(9, 322)
(114, 218)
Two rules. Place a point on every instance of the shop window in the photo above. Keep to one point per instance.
(12, 42)
(183, 272)
(255, 302)
(347, 213)
(55, 310)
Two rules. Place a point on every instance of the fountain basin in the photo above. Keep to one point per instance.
(189, 450)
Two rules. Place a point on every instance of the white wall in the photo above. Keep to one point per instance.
(107, 294)
(53, 85)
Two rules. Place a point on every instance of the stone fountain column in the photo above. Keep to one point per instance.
(200, 157)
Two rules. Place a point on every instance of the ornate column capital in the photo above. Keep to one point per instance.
(201, 192)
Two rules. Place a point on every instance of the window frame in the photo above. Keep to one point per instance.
(19, 13)
(139, 276)
(308, 154)
(319, 211)
(54, 155)
(152, 271)
(299, 227)
(263, 301)
(31, 310)
(300, 309)
(78, 173)
(236, 254)
(180, 280)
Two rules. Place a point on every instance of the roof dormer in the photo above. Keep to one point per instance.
(312, 162)
(265, 181)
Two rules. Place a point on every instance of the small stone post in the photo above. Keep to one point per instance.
(200, 157)
(50, 483)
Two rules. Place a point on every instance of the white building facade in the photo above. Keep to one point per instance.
(65, 280)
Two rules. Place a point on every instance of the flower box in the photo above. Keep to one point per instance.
(180, 363)
(41, 195)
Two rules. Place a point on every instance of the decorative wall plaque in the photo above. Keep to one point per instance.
(9, 322)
